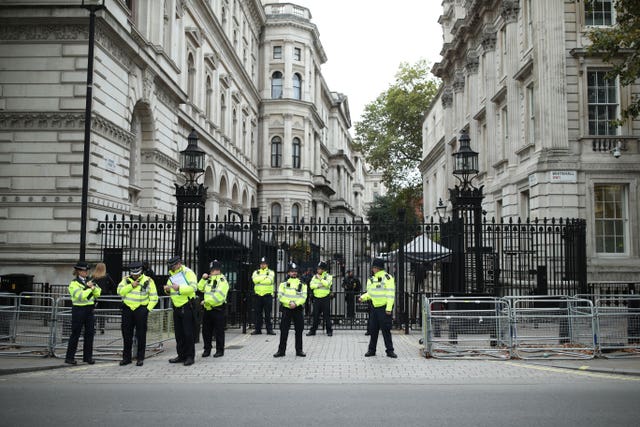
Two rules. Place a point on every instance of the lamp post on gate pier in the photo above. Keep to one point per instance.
(191, 197)
(92, 6)
(466, 202)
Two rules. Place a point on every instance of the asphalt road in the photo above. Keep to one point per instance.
(562, 400)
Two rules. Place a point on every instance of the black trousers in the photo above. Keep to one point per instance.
(213, 322)
(81, 316)
(370, 319)
(350, 299)
(288, 315)
(381, 321)
(134, 319)
(322, 305)
(183, 324)
(263, 305)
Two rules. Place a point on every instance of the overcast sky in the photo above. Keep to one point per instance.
(365, 42)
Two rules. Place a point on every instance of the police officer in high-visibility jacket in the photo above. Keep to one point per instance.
(139, 296)
(381, 291)
(215, 288)
(83, 294)
(263, 280)
(292, 294)
(321, 284)
(181, 287)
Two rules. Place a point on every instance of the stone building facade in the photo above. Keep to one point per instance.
(517, 77)
(245, 75)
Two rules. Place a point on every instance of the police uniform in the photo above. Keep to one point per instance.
(215, 288)
(381, 291)
(263, 280)
(321, 287)
(183, 300)
(83, 296)
(291, 294)
(139, 297)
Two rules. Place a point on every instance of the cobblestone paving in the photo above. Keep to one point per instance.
(330, 360)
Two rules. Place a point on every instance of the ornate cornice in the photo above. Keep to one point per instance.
(41, 120)
(509, 10)
(108, 44)
(458, 81)
(44, 32)
(488, 40)
(160, 158)
(447, 97)
(471, 66)
(111, 131)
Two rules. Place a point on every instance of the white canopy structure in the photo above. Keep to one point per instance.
(422, 249)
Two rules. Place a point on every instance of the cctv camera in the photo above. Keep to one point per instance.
(616, 152)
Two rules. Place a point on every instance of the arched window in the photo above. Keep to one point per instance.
(296, 153)
(191, 77)
(223, 114)
(276, 152)
(276, 211)
(276, 85)
(295, 213)
(297, 86)
(209, 95)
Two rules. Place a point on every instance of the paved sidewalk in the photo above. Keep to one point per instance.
(343, 356)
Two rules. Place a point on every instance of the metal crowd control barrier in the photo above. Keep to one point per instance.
(28, 320)
(557, 327)
(618, 324)
(466, 327)
(107, 344)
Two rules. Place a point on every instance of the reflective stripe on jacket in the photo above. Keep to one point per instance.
(81, 295)
(144, 294)
(186, 291)
(215, 290)
(263, 280)
(292, 290)
(321, 287)
(381, 290)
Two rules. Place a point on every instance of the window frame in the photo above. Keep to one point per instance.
(276, 76)
(297, 86)
(277, 52)
(276, 152)
(600, 223)
(297, 54)
(612, 130)
(296, 149)
(589, 15)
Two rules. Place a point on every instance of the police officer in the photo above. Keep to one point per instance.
(181, 287)
(215, 288)
(351, 286)
(263, 280)
(321, 286)
(292, 294)
(83, 294)
(139, 296)
(381, 291)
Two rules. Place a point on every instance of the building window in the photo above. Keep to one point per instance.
(599, 12)
(296, 153)
(276, 152)
(297, 53)
(529, 14)
(503, 52)
(525, 205)
(276, 85)
(277, 52)
(223, 114)
(209, 96)
(295, 213)
(504, 122)
(297, 86)
(602, 94)
(191, 77)
(276, 212)
(610, 218)
(531, 115)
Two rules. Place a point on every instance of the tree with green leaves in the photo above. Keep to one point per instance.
(390, 132)
(619, 46)
(384, 212)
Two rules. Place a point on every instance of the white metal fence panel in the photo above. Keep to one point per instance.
(458, 327)
(552, 327)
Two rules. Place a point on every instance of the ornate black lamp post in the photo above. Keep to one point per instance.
(92, 6)
(191, 199)
(466, 224)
